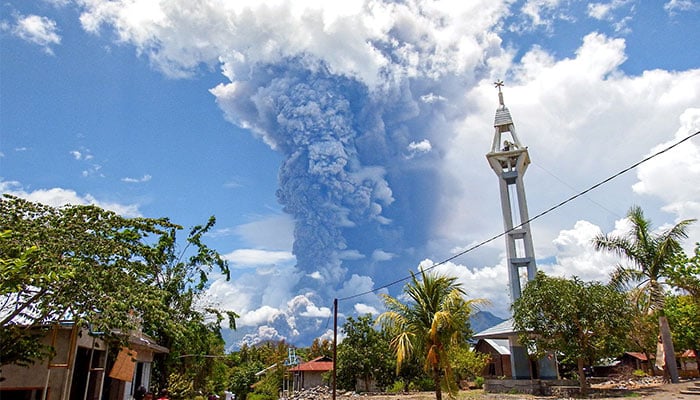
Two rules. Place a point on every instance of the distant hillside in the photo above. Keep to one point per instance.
(483, 320)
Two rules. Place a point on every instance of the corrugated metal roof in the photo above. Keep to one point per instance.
(688, 354)
(504, 330)
(502, 117)
(637, 355)
(500, 345)
(320, 364)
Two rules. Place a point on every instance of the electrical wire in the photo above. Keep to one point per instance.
(543, 213)
(550, 173)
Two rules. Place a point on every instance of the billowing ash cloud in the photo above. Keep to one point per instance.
(334, 137)
(347, 149)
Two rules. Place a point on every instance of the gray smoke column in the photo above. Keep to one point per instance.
(312, 118)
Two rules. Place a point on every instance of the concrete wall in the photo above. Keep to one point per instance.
(35, 376)
(312, 379)
(535, 387)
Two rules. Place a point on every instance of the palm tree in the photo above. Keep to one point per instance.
(436, 320)
(653, 257)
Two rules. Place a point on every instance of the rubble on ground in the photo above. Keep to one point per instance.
(322, 393)
(630, 383)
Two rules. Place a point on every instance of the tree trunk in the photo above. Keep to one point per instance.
(669, 351)
(438, 388)
(582, 377)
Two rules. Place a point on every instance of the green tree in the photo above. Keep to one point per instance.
(685, 274)
(435, 321)
(364, 355)
(115, 274)
(242, 377)
(467, 363)
(320, 347)
(85, 264)
(653, 258)
(643, 335)
(683, 315)
(269, 386)
(19, 344)
(586, 321)
(181, 275)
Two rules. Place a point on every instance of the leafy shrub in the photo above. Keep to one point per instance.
(479, 382)
(396, 387)
(423, 384)
(638, 373)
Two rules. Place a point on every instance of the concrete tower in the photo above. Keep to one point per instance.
(509, 160)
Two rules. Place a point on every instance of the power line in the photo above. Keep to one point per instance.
(550, 173)
(543, 213)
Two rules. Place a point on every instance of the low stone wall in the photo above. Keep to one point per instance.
(535, 387)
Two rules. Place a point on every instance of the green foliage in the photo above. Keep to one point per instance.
(242, 377)
(114, 274)
(466, 363)
(80, 262)
(250, 360)
(479, 382)
(586, 321)
(22, 345)
(423, 383)
(643, 334)
(682, 312)
(685, 274)
(319, 348)
(268, 387)
(638, 373)
(396, 387)
(653, 257)
(364, 355)
(655, 261)
(431, 326)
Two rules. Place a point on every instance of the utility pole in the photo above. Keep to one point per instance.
(335, 344)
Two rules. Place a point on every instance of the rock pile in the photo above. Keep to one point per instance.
(631, 383)
(319, 393)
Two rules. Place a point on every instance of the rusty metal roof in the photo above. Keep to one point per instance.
(319, 364)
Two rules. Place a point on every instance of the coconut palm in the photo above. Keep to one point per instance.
(434, 321)
(652, 257)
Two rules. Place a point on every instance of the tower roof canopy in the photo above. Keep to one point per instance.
(503, 117)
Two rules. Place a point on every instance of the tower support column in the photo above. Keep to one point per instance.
(509, 160)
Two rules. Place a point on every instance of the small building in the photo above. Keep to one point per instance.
(635, 361)
(310, 374)
(689, 364)
(499, 357)
(83, 367)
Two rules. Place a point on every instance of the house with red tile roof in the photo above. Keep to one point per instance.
(310, 374)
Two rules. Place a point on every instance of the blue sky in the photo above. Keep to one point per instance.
(341, 145)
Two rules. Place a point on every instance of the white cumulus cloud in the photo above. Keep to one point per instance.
(57, 197)
(255, 257)
(38, 30)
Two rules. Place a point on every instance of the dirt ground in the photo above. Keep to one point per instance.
(658, 391)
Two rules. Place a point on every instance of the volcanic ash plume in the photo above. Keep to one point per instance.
(311, 118)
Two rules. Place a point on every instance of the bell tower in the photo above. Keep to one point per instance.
(509, 160)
